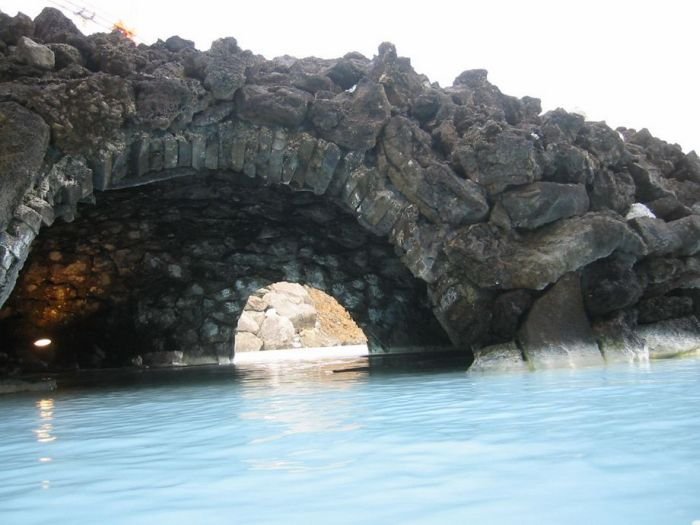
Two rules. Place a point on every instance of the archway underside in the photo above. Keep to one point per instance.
(168, 267)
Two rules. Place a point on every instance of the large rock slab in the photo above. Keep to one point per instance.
(493, 259)
(557, 332)
(540, 203)
(24, 139)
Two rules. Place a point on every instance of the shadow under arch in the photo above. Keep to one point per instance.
(161, 272)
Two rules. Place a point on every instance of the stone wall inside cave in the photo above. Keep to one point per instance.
(499, 211)
(165, 269)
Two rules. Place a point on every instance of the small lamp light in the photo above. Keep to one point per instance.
(43, 342)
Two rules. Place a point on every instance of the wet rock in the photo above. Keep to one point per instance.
(505, 357)
(618, 340)
(671, 338)
(556, 332)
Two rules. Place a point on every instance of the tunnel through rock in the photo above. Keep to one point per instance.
(160, 273)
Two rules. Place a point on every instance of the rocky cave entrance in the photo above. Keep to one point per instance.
(159, 274)
(287, 315)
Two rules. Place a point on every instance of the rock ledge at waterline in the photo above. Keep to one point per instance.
(497, 211)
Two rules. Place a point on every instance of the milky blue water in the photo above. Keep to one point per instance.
(283, 445)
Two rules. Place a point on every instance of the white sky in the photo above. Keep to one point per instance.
(630, 63)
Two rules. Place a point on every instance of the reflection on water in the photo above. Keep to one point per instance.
(43, 433)
(347, 442)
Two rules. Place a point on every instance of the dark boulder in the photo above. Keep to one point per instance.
(283, 106)
(610, 284)
(681, 237)
(497, 158)
(352, 120)
(12, 28)
(557, 332)
(540, 203)
(493, 259)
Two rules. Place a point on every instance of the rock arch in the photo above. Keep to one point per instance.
(487, 202)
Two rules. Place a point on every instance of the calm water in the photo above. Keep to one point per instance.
(282, 445)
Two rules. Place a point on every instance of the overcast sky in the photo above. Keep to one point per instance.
(630, 63)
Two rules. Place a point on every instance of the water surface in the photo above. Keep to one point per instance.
(301, 444)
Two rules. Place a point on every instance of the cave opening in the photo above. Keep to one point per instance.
(286, 315)
(159, 274)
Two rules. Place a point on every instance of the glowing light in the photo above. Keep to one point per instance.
(124, 30)
(43, 342)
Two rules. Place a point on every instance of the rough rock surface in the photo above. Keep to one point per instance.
(556, 332)
(499, 358)
(486, 202)
(287, 315)
(673, 337)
